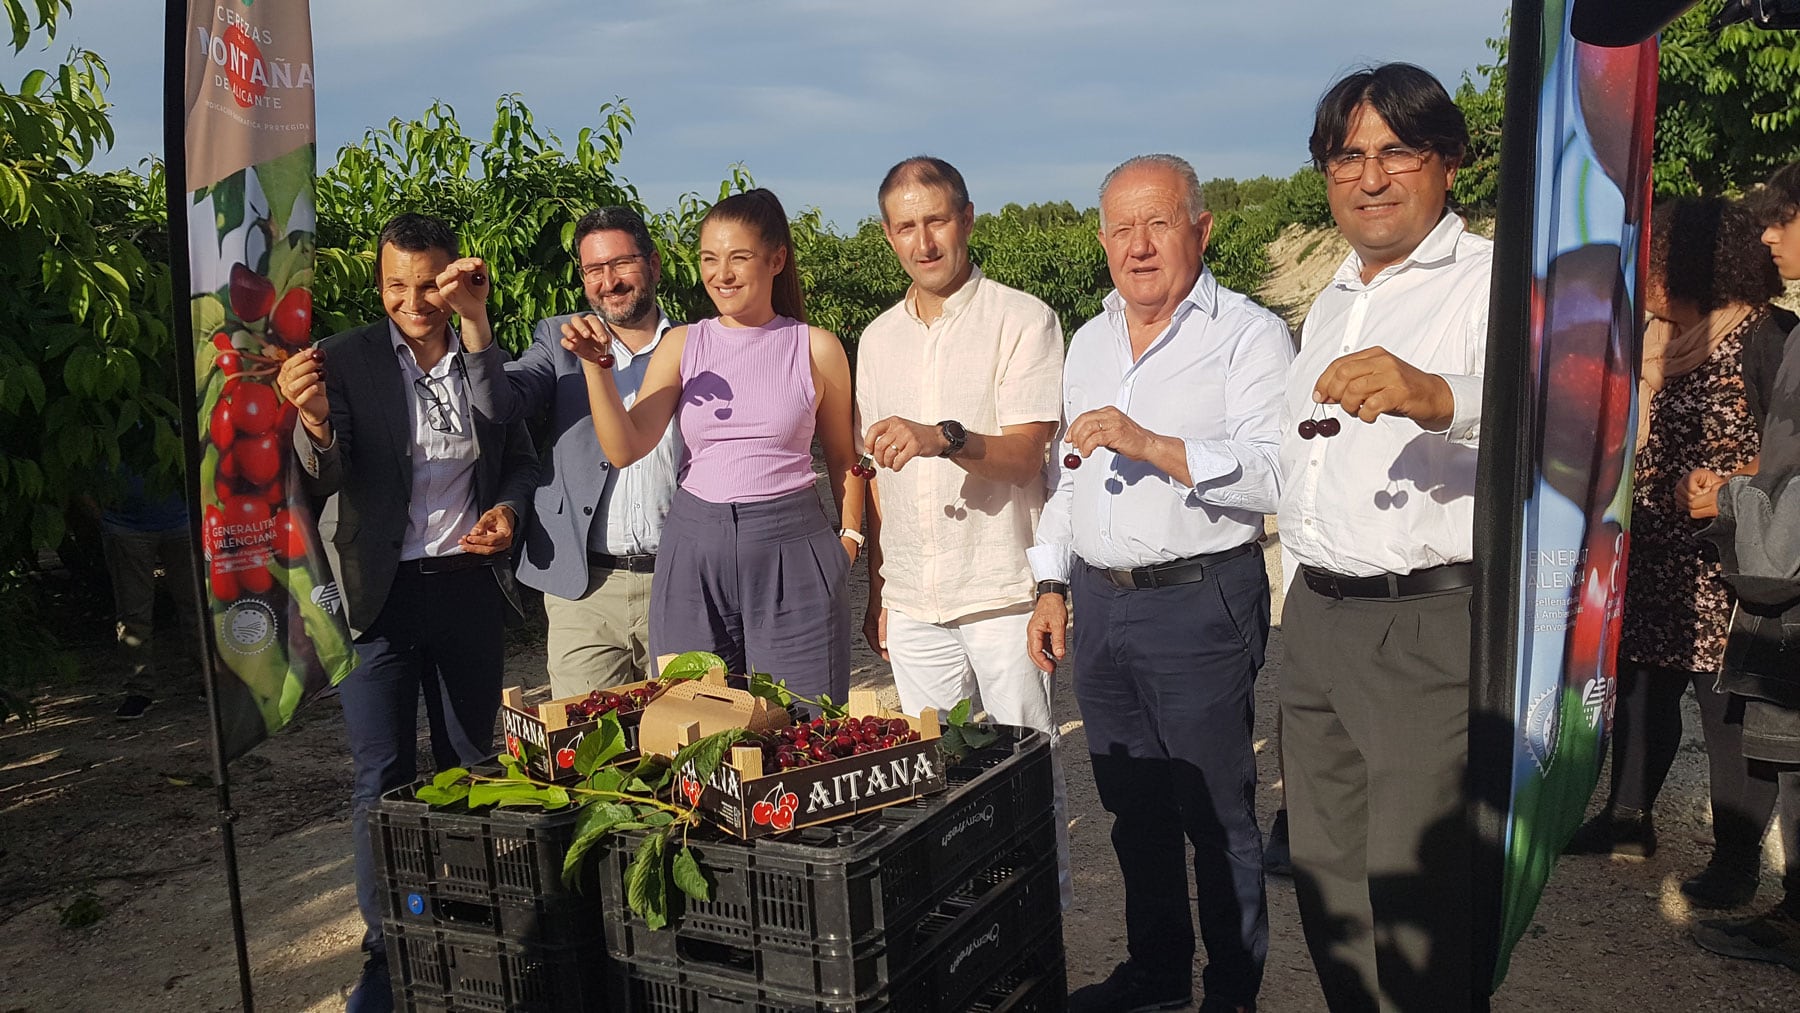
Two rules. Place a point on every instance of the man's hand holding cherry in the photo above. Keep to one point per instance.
(590, 339)
(302, 383)
(1375, 382)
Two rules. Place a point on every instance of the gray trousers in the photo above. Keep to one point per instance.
(766, 586)
(1374, 738)
(132, 559)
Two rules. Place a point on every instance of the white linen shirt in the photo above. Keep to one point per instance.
(954, 544)
(636, 500)
(1213, 379)
(441, 508)
(1388, 496)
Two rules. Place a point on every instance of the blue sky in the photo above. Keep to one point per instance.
(1033, 99)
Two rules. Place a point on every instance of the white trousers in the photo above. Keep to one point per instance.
(982, 656)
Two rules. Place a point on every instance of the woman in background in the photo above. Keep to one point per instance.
(1707, 292)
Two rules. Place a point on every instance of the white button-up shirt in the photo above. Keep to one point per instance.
(442, 507)
(953, 544)
(636, 500)
(1387, 496)
(1213, 379)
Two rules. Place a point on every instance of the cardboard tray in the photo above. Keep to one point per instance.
(820, 793)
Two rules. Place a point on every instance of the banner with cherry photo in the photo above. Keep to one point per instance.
(1557, 448)
(279, 630)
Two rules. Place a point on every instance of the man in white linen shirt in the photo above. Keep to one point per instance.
(1174, 399)
(954, 508)
(1377, 512)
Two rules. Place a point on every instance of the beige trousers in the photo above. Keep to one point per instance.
(602, 638)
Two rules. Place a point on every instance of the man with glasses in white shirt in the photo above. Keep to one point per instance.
(1166, 470)
(1377, 512)
(591, 546)
(422, 500)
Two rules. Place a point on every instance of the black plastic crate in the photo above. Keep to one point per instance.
(568, 919)
(442, 969)
(1017, 892)
(849, 884)
(1029, 979)
(473, 854)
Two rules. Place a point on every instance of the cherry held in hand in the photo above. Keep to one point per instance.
(865, 467)
(1071, 460)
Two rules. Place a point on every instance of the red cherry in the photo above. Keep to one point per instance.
(252, 295)
(259, 457)
(220, 428)
(254, 407)
(285, 419)
(761, 813)
(249, 510)
(1307, 429)
(292, 322)
(290, 538)
(224, 585)
(229, 363)
(782, 819)
(228, 465)
(274, 494)
(1329, 426)
(222, 342)
(255, 580)
(604, 361)
(1071, 460)
(222, 489)
(789, 800)
(565, 758)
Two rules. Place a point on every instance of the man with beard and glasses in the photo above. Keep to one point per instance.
(593, 546)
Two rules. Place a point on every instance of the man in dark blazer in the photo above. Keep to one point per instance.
(592, 544)
(422, 498)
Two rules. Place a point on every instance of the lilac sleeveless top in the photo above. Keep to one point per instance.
(747, 410)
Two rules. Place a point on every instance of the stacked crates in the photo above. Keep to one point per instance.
(949, 902)
(475, 912)
(946, 903)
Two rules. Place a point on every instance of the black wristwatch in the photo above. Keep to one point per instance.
(1045, 587)
(955, 435)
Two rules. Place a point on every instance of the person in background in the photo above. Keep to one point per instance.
(1707, 292)
(595, 529)
(749, 568)
(139, 534)
(1758, 516)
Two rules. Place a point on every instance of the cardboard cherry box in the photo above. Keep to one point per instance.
(544, 739)
(750, 802)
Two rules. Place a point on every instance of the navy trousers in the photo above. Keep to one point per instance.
(442, 635)
(765, 586)
(1164, 680)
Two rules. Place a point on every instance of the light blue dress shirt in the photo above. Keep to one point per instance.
(1214, 379)
(637, 499)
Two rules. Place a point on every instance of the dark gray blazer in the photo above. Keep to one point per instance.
(365, 476)
(574, 470)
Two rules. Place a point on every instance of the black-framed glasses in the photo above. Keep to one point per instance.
(619, 266)
(440, 414)
(1348, 165)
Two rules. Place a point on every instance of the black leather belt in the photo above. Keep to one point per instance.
(1171, 573)
(1436, 580)
(453, 563)
(642, 562)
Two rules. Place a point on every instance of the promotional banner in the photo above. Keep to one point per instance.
(1554, 528)
(278, 628)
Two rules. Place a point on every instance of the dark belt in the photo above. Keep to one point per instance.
(1436, 580)
(1171, 573)
(453, 563)
(642, 562)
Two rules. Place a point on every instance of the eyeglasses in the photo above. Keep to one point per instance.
(1348, 165)
(440, 414)
(619, 266)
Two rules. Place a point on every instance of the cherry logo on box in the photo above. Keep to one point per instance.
(565, 758)
(762, 813)
(512, 746)
(777, 810)
(691, 788)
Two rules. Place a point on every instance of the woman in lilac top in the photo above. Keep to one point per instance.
(750, 568)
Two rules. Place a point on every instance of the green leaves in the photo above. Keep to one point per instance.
(708, 753)
(689, 876)
(647, 881)
(692, 665)
(600, 746)
(961, 737)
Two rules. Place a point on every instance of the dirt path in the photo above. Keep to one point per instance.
(120, 810)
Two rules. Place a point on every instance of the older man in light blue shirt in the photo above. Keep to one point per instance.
(1174, 396)
(591, 544)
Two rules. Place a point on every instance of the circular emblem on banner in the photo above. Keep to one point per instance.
(248, 627)
(1541, 729)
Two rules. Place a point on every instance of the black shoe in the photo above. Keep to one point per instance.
(1721, 885)
(1773, 937)
(133, 707)
(1626, 832)
(374, 992)
(1278, 859)
(1129, 990)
